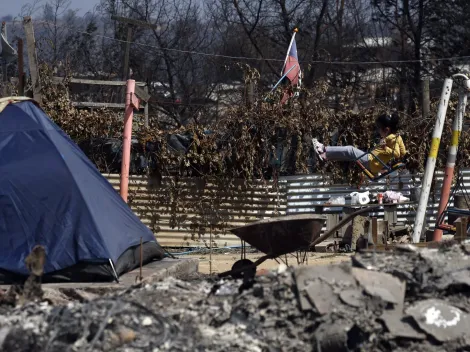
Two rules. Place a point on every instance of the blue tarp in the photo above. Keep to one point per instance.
(52, 195)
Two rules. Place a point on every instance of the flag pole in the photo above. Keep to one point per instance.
(288, 49)
(284, 76)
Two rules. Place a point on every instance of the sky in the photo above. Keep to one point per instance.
(13, 8)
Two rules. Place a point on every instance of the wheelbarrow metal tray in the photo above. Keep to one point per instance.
(282, 235)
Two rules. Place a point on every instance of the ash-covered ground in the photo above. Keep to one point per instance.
(407, 300)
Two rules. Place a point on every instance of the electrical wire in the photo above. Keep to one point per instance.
(246, 58)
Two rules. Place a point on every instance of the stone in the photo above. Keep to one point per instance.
(439, 319)
(147, 321)
(322, 296)
(399, 327)
(385, 286)
(333, 337)
(332, 275)
(3, 334)
(353, 298)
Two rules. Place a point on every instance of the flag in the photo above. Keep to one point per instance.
(291, 70)
(291, 65)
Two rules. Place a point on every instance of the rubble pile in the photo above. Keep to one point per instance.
(407, 300)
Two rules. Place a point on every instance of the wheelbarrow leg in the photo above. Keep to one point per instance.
(243, 267)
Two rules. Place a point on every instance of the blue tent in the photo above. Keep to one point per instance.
(52, 195)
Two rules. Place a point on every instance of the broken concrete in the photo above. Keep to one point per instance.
(440, 320)
(391, 301)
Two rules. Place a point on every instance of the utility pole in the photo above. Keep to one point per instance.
(131, 23)
(32, 58)
(125, 75)
(20, 68)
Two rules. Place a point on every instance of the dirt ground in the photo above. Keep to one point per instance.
(223, 261)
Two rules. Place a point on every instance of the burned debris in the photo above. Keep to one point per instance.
(407, 300)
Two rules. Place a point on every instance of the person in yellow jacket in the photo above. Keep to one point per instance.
(390, 146)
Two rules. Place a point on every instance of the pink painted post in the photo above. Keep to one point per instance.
(126, 138)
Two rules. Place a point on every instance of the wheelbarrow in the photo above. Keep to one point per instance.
(283, 235)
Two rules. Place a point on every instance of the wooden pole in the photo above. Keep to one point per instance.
(375, 231)
(426, 103)
(250, 92)
(125, 75)
(461, 229)
(20, 68)
(146, 108)
(141, 258)
(32, 58)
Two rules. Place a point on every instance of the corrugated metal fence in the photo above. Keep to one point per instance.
(199, 205)
(304, 192)
(226, 206)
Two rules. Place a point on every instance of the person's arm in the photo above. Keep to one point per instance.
(385, 151)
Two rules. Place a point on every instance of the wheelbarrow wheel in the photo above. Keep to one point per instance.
(243, 267)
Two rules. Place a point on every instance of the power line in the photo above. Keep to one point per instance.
(246, 58)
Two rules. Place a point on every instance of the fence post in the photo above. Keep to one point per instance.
(131, 103)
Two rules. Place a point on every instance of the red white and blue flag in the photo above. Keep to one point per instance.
(291, 69)
(291, 64)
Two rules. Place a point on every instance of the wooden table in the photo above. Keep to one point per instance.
(390, 214)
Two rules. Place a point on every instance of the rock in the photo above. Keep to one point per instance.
(3, 334)
(333, 337)
(147, 321)
(120, 337)
(55, 296)
(304, 276)
(440, 320)
(353, 298)
(281, 268)
(399, 327)
(19, 339)
(382, 285)
(446, 261)
(322, 296)
(332, 274)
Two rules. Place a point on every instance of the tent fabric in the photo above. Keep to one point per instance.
(52, 195)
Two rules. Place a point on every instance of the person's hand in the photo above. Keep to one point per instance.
(383, 143)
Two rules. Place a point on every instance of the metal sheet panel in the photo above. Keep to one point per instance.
(240, 205)
(306, 191)
(152, 201)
